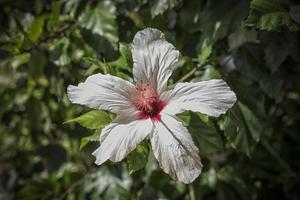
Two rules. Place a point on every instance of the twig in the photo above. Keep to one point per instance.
(188, 75)
(70, 189)
(51, 36)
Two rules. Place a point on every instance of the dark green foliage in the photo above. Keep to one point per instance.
(251, 152)
(204, 133)
(271, 15)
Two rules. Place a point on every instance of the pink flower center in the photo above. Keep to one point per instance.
(147, 102)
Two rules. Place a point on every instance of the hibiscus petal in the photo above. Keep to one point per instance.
(175, 151)
(212, 97)
(153, 57)
(118, 140)
(105, 92)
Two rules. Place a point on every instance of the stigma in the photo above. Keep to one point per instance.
(145, 97)
(146, 100)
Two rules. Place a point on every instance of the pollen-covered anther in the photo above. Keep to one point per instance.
(145, 98)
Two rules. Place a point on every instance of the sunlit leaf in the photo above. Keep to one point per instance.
(209, 178)
(54, 16)
(125, 60)
(270, 15)
(35, 29)
(60, 54)
(125, 51)
(94, 119)
(206, 50)
(160, 6)
(272, 21)
(100, 19)
(16, 61)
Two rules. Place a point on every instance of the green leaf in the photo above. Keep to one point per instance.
(97, 64)
(266, 5)
(241, 36)
(242, 128)
(248, 93)
(100, 19)
(125, 60)
(37, 64)
(209, 178)
(270, 15)
(19, 60)
(203, 131)
(206, 50)
(54, 15)
(275, 20)
(251, 121)
(272, 84)
(16, 61)
(125, 51)
(247, 61)
(218, 20)
(35, 30)
(138, 158)
(41, 187)
(189, 17)
(94, 119)
(159, 6)
(209, 73)
(92, 138)
(60, 54)
(285, 45)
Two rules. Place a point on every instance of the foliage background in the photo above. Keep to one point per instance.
(252, 152)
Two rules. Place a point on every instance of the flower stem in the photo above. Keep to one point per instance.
(192, 192)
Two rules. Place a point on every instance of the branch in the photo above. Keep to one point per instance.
(56, 34)
(72, 186)
(190, 73)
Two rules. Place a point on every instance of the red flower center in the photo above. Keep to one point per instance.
(147, 102)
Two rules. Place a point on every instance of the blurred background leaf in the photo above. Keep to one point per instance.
(251, 152)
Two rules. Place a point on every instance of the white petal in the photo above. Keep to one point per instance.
(175, 151)
(118, 140)
(153, 57)
(103, 92)
(212, 97)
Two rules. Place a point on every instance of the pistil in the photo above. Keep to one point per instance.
(146, 100)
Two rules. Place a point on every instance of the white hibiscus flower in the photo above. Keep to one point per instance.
(146, 108)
